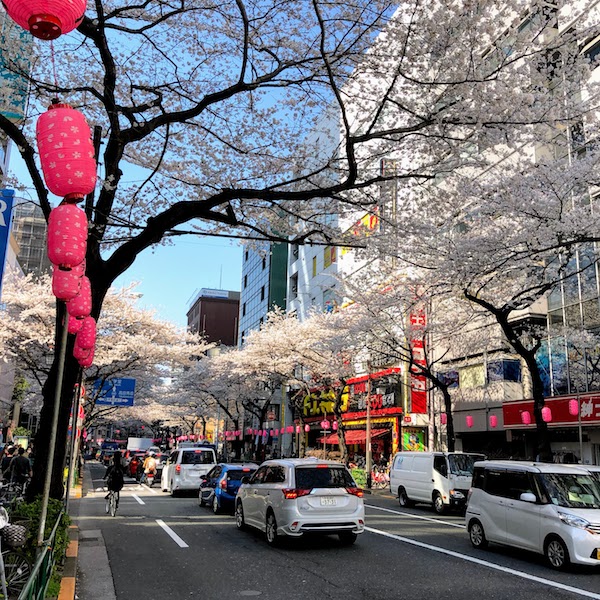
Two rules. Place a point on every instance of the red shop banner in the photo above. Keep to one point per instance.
(559, 408)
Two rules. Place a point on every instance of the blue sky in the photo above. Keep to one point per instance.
(170, 276)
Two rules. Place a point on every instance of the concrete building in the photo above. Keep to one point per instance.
(214, 314)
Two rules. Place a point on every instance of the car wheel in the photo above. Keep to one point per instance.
(438, 504)
(201, 501)
(477, 535)
(239, 515)
(557, 553)
(215, 505)
(173, 492)
(347, 537)
(403, 498)
(271, 530)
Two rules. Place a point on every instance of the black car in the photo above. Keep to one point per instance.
(220, 485)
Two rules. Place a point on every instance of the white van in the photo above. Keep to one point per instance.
(185, 468)
(441, 479)
(551, 509)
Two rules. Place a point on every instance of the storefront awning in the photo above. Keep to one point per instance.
(353, 436)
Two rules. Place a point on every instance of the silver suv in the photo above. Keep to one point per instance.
(295, 496)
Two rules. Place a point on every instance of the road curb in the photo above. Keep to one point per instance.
(69, 576)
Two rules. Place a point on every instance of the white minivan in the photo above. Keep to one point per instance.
(441, 479)
(186, 467)
(551, 509)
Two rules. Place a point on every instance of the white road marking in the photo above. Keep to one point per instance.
(138, 498)
(143, 485)
(484, 563)
(407, 514)
(172, 534)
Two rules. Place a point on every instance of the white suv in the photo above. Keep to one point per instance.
(185, 468)
(551, 509)
(302, 495)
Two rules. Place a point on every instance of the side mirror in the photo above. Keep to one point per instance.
(528, 497)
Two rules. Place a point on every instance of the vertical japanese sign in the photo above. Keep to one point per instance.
(6, 206)
(418, 382)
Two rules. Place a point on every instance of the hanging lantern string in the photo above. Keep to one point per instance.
(53, 64)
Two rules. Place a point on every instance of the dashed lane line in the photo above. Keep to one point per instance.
(140, 501)
(484, 563)
(172, 534)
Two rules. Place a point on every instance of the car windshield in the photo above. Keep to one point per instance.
(198, 457)
(308, 478)
(462, 464)
(572, 490)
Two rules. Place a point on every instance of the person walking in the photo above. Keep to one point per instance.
(20, 468)
(6, 462)
(115, 475)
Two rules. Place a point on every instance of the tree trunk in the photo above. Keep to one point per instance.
(543, 450)
(450, 436)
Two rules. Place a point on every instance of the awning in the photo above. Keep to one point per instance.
(353, 436)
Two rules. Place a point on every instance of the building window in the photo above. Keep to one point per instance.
(294, 286)
(262, 292)
(295, 251)
(329, 256)
(262, 320)
(244, 309)
(314, 266)
(245, 281)
(246, 256)
(264, 263)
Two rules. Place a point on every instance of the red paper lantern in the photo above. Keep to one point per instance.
(573, 407)
(46, 19)
(81, 305)
(67, 235)
(443, 418)
(493, 421)
(86, 337)
(74, 324)
(87, 362)
(297, 428)
(65, 283)
(546, 414)
(526, 417)
(335, 425)
(469, 421)
(66, 152)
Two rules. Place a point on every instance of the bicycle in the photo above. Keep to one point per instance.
(112, 503)
(17, 570)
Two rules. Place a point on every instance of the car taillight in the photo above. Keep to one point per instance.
(178, 469)
(223, 484)
(292, 494)
(355, 491)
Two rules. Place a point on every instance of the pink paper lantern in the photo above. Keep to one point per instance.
(74, 324)
(272, 433)
(65, 283)
(297, 428)
(469, 420)
(80, 353)
(443, 418)
(46, 19)
(67, 235)
(81, 305)
(86, 336)
(66, 152)
(307, 428)
(335, 425)
(249, 431)
(573, 407)
(526, 417)
(87, 362)
(493, 421)
(325, 424)
(546, 414)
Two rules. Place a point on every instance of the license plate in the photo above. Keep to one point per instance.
(328, 501)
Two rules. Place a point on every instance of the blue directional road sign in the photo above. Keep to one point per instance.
(115, 392)
(6, 206)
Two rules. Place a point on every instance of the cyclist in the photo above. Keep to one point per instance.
(114, 475)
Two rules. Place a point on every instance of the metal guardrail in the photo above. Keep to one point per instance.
(38, 581)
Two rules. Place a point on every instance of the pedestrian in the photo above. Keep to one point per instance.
(6, 462)
(20, 468)
(115, 475)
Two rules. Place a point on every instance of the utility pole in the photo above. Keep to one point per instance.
(369, 457)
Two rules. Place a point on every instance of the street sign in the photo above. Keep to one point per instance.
(6, 206)
(115, 392)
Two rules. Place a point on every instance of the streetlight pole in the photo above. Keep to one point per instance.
(579, 428)
(368, 431)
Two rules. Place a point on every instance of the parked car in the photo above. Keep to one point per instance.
(293, 497)
(219, 487)
(551, 509)
(185, 467)
(441, 479)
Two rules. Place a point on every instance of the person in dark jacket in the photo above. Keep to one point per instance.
(6, 460)
(114, 476)
(20, 467)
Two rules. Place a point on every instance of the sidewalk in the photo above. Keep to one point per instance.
(87, 574)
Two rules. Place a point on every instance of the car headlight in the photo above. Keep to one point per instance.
(457, 495)
(574, 520)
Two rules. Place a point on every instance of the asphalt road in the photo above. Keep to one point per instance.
(162, 548)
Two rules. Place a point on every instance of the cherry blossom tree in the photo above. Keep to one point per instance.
(203, 111)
